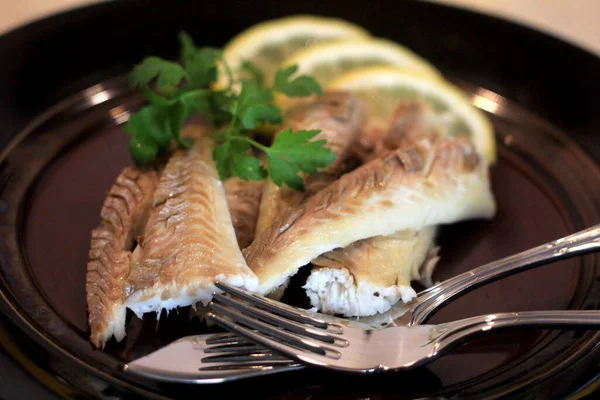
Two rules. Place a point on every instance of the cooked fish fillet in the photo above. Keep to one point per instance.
(408, 124)
(370, 275)
(123, 217)
(243, 199)
(339, 116)
(190, 242)
(370, 141)
(428, 184)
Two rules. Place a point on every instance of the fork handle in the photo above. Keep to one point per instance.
(453, 334)
(430, 300)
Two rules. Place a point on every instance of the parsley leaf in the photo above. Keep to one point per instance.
(195, 101)
(221, 102)
(203, 67)
(301, 86)
(177, 91)
(179, 111)
(150, 131)
(260, 113)
(143, 149)
(188, 48)
(252, 93)
(292, 151)
(282, 172)
(254, 106)
(232, 159)
(200, 63)
(167, 74)
(253, 72)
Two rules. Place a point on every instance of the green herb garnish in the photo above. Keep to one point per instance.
(176, 91)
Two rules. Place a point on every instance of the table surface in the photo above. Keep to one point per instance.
(574, 21)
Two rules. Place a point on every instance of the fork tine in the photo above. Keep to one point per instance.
(249, 348)
(282, 322)
(283, 310)
(296, 353)
(274, 366)
(238, 358)
(225, 337)
(292, 339)
(228, 342)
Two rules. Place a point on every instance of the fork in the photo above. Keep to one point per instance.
(216, 357)
(432, 299)
(314, 341)
(179, 361)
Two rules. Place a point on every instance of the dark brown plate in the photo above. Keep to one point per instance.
(55, 173)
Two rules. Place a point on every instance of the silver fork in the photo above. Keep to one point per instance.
(212, 358)
(326, 344)
(432, 299)
(179, 361)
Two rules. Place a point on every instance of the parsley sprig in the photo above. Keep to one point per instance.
(175, 91)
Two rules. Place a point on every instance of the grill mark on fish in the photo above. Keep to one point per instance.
(122, 218)
(350, 208)
(189, 241)
(120, 200)
(115, 217)
(407, 125)
(339, 116)
(243, 199)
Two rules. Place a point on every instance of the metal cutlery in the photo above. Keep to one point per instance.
(179, 361)
(311, 340)
(202, 353)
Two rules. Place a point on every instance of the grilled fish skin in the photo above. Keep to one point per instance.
(123, 217)
(428, 184)
(340, 117)
(189, 242)
(407, 125)
(371, 275)
(243, 199)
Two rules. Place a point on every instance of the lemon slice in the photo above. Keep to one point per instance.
(384, 88)
(326, 61)
(269, 43)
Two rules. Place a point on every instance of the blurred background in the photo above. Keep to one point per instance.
(575, 21)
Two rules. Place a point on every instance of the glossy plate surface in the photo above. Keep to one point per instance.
(56, 171)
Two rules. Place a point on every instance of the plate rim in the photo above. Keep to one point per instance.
(50, 18)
